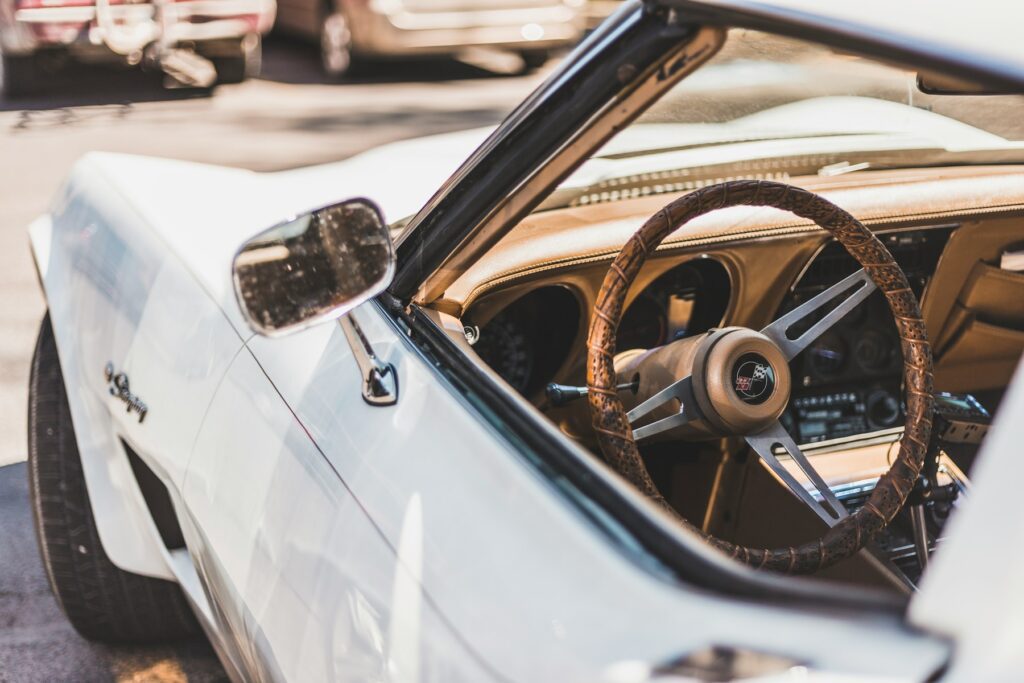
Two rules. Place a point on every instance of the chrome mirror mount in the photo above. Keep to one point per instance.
(314, 268)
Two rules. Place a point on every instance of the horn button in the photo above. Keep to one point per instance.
(753, 379)
(741, 380)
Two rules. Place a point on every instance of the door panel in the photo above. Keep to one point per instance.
(525, 578)
(974, 586)
(308, 588)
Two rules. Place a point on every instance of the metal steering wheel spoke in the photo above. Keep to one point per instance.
(681, 390)
(763, 444)
(742, 377)
(777, 331)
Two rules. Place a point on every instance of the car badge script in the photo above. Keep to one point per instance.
(117, 383)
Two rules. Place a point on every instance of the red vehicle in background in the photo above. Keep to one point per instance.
(196, 42)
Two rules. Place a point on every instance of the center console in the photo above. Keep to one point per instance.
(835, 414)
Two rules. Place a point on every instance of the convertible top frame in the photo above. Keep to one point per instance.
(604, 84)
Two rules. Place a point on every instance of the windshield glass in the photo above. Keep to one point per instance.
(776, 108)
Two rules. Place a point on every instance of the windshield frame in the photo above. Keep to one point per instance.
(605, 84)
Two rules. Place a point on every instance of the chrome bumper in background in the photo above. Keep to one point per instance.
(127, 28)
(409, 32)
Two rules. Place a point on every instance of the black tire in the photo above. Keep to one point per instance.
(238, 67)
(18, 75)
(101, 601)
(230, 69)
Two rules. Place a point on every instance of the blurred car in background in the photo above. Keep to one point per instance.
(350, 29)
(599, 10)
(196, 42)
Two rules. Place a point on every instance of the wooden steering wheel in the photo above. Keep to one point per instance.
(735, 381)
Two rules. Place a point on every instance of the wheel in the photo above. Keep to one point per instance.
(245, 64)
(735, 382)
(534, 59)
(101, 601)
(18, 75)
(335, 44)
(230, 69)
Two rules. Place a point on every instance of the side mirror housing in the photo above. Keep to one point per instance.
(313, 268)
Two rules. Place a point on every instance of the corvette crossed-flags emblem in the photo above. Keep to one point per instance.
(746, 383)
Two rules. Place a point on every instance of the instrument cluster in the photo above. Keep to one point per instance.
(849, 381)
(529, 340)
(687, 300)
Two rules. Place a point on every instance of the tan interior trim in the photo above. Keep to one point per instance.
(578, 236)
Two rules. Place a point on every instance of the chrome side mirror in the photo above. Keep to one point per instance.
(314, 268)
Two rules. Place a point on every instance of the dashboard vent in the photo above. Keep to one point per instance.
(660, 183)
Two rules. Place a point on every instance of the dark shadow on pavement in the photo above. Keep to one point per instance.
(80, 85)
(424, 120)
(38, 644)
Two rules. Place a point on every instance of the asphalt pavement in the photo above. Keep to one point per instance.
(287, 118)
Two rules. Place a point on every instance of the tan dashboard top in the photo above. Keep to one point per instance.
(564, 239)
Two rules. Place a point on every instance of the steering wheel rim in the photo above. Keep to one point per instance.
(612, 427)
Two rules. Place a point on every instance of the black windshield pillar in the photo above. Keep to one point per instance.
(613, 59)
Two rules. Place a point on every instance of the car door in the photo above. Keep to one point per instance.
(306, 586)
(413, 541)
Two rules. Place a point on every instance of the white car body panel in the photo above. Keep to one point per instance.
(223, 207)
(310, 589)
(974, 589)
(115, 247)
(495, 541)
(123, 302)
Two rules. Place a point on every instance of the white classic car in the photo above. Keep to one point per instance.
(686, 373)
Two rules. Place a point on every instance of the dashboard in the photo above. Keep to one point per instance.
(527, 304)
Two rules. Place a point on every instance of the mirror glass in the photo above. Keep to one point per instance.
(316, 267)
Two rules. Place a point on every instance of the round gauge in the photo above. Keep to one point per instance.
(643, 326)
(873, 351)
(827, 356)
(686, 300)
(505, 346)
(527, 341)
(883, 410)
